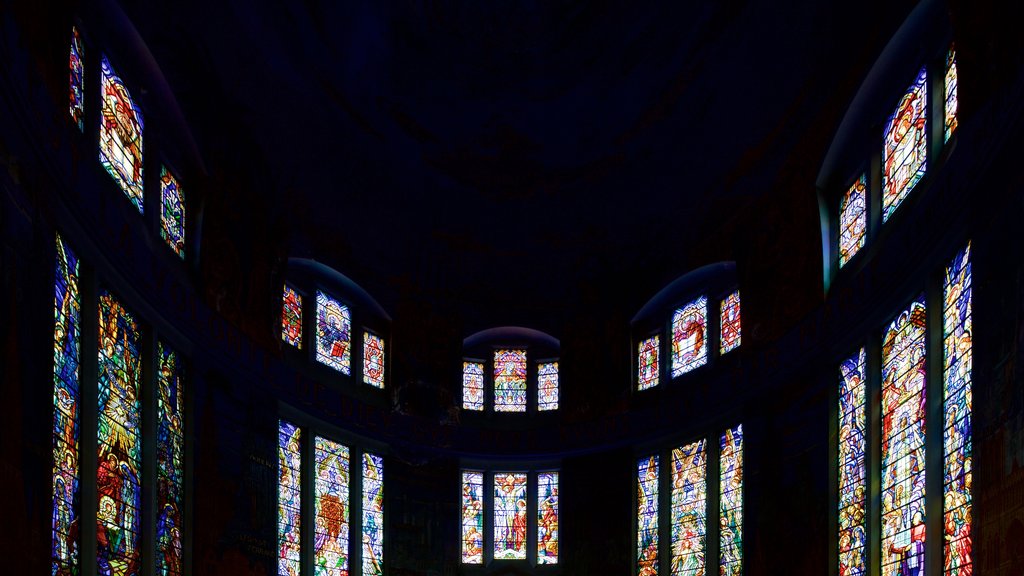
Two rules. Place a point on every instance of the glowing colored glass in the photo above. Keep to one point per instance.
(172, 212)
(289, 504)
(690, 336)
(119, 459)
(77, 82)
(951, 104)
(510, 380)
(903, 442)
(472, 386)
(66, 414)
(852, 471)
(373, 515)
(373, 360)
(731, 503)
(547, 518)
(905, 146)
(330, 546)
(647, 516)
(547, 386)
(957, 409)
(121, 135)
(291, 317)
(649, 368)
(472, 518)
(509, 516)
(170, 462)
(731, 334)
(333, 333)
(689, 509)
(853, 220)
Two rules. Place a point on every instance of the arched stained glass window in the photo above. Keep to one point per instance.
(510, 516)
(77, 83)
(373, 515)
(121, 135)
(472, 386)
(170, 461)
(649, 368)
(291, 317)
(852, 470)
(289, 499)
(172, 212)
(957, 407)
(730, 325)
(547, 386)
(853, 220)
(333, 333)
(951, 103)
(647, 516)
(689, 509)
(373, 360)
(330, 551)
(547, 518)
(472, 518)
(510, 380)
(689, 337)
(731, 502)
(66, 413)
(905, 148)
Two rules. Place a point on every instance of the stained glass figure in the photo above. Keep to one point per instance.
(170, 462)
(121, 135)
(957, 409)
(647, 517)
(649, 366)
(289, 504)
(547, 518)
(331, 534)
(291, 317)
(853, 220)
(77, 83)
(903, 443)
(906, 146)
(510, 516)
(472, 518)
(689, 509)
(373, 515)
(731, 334)
(852, 471)
(119, 460)
(472, 386)
(510, 380)
(690, 336)
(951, 104)
(172, 212)
(731, 503)
(333, 333)
(547, 386)
(66, 415)
(373, 360)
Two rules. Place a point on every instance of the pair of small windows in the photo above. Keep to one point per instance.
(510, 383)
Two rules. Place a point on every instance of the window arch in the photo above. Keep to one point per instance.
(510, 370)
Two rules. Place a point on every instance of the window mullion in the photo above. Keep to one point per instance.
(148, 426)
(934, 425)
(307, 505)
(89, 292)
(873, 456)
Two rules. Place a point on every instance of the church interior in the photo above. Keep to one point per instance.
(437, 288)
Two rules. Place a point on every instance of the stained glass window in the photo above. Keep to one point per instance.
(852, 471)
(121, 135)
(731, 502)
(291, 317)
(906, 146)
(77, 83)
(289, 509)
(957, 361)
(119, 460)
(510, 380)
(731, 322)
(689, 337)
(649, 368)
(472, 517)
(333, 333)
(472, 386)
(647, 516)
(509, 516)
(547, 518)
(373, 360)
(689, 509)
(547, 386)
(373, 515)
(66, 414)
(903, 447)
(330, 550)
(172, 212)
(853, 220)
(950, 93)
(170, 462)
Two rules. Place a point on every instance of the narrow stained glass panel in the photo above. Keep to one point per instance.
(77, 91)
(950, 93)
(373, 515)
(472, 386)
(647, 517)
(649, 366)
(903, 448)
(509, 516)
(690, 336)
(291, 317)
(289, 504)
(547, 386)
(472, 518)
(689, 509)
(853, 220)
(957, 364)
(547, 518)
(170, 462)
(119, 459)
(121, 135)
(66, 417)
(172, 212)
(852, 471)
(731, 503)
(330, 546)
(905, 146)
(333, 333)
(731, 335)
(510, 380)
(373, 360)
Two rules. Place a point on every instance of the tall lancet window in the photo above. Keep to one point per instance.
(66, 414)
(852, 471)
(472, 517)
(731, 502)
(647, 516)
(170, 461)
(373, 515)
(689, 509)
(289, 499)
(957, 408)
(510, 516)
